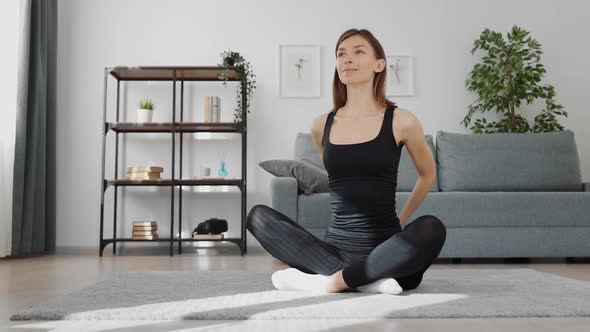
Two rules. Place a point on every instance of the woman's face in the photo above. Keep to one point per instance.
(356, 62)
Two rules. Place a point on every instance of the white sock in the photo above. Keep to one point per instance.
(385, 286)
(293, 279)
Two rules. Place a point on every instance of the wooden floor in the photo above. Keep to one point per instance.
(36, 279)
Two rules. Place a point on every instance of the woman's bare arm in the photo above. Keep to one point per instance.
(413, 138)
(317, 131)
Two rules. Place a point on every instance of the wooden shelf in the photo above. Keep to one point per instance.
(128, 182)
(209, 182)
(168, 127)
(172, 74)
(178, 182)
(161, 73)
(127, 239)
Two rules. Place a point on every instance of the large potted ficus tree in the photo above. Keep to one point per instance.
(233, 60)
(509, 74)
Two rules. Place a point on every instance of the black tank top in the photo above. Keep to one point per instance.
(362, 184)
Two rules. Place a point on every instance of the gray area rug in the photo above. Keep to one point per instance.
(212, 295)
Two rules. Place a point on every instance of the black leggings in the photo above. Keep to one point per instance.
(405, 256)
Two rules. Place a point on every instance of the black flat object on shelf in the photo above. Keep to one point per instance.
(211, 226)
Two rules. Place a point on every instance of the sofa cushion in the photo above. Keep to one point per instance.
(502, 242)
(474, 210)
(508, 162)
(504, 209)
(314, 210)
(407, 175)
(310, 178)
(284, 193)
(306, 150)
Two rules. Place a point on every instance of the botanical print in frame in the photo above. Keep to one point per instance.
(400, 76)
(299, 70)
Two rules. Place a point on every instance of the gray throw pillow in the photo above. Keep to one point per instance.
(310, 178)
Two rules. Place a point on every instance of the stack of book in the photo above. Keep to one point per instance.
(207, 236)
(145, 230)
(144, 173)
(212, 109)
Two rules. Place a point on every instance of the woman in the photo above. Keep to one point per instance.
(365, 248)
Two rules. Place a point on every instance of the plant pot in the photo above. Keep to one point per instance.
(144, 115)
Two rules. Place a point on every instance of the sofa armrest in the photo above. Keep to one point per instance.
(283, 191)
(586, 186)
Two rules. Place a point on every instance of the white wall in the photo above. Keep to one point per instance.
(94, 34)
(10, 12)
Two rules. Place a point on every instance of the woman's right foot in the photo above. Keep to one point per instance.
(292, 279)
(277, 280)
(384, 286)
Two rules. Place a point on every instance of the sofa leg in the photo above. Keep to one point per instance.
(456, 260)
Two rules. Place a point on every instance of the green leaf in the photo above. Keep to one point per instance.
(508, 75)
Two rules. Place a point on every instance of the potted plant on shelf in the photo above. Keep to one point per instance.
(510, 74)
(233, 60)
(145, 113)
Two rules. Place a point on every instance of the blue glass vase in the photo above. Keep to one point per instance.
(222, 171)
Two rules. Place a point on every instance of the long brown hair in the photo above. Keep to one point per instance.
(339, 88)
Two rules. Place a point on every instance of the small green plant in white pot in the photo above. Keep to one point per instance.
(145, 113)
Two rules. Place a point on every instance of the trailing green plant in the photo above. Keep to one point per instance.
(146, 104)
(233, 60)
(510, 73)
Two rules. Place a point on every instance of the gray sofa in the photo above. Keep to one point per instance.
(499, 195)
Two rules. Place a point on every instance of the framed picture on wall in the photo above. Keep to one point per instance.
(299, 70)
(400, 75)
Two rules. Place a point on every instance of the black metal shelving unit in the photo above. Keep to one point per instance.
(175, 74)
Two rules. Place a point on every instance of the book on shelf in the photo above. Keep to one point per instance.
(144, 173)
(215, 108)
(144, 169)
(145, 223)
(212, 109)
(145, 228)
(207, 119)
(144, 176)
(208, 236)
(154, 232)
(144, 237)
